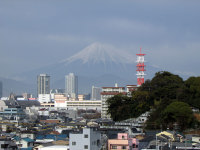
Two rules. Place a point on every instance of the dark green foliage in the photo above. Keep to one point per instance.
(121, 107)
(165, 85)
(178, 113)
(162, 94)
(191, 93)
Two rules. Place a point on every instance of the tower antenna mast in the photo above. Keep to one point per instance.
(140, 68)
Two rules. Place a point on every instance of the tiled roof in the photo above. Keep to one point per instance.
(52, 136)
(28, 140)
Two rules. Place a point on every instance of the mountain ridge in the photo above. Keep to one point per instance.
(97, 52)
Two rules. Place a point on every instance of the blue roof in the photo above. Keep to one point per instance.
(52, 136)
(29, 148)
(28, 140)
(17, 138)
(40, 137)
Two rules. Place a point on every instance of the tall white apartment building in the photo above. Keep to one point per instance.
(106, 93)
(96, 93)
(43, 84)
(71, 86)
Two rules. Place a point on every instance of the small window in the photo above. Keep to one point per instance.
(123, 147)
(85, 135)
(114, 147)
(98, 142)
(73, 143)
(85, 146)
(122, 137)
(4, 145)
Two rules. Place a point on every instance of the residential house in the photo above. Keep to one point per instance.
(7, 144)
(24, 142)
(123, 142)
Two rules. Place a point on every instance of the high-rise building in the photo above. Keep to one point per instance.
(71, 86)
(1, 89)
(43, 84)
(96, 93)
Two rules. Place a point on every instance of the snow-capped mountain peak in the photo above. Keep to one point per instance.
(98, 52)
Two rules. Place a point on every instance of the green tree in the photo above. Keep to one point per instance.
(160, 94)
(165, 85)
(191, 93)
(179, 113)
(119, 107)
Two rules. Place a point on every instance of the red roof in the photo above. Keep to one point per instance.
(113, 93)
(113, 87)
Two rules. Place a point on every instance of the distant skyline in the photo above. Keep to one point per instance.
(36, 33)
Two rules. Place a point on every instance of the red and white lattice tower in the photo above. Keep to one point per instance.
(140, 68)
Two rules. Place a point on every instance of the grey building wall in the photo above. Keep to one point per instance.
(88, 140)
(71, 85)
(96, 93)
(43, 84)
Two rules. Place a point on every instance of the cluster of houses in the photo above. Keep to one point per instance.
(80, 125)
(27, 125)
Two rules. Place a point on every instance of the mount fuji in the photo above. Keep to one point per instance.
(101, 53)
(97, 64)
(100, 59)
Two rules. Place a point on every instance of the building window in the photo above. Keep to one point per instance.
(85, 146)
(114, 147)
(73, 143)
(85, 135)
(123, 147)
(98, 142)
(4, 145)
(122, 137)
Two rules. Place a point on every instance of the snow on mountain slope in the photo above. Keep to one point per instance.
(97, 52)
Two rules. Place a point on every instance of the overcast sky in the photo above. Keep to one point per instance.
(35, 33)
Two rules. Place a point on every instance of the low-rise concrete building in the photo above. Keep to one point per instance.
(123, 142)
(106, 93)
(89, 139)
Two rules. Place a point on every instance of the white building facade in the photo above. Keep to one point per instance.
(44, 98)
(106, 93)
(71, 86)
(89, 139)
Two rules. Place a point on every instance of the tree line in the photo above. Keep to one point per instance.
(169, 98)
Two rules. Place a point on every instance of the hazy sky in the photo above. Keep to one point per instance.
(35, 33)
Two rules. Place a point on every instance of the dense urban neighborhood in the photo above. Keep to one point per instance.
(99, 75)
(113, 118)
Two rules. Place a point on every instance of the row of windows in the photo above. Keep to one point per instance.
(83, 103)
(115, 147)
(85, 146)
(123, 147)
